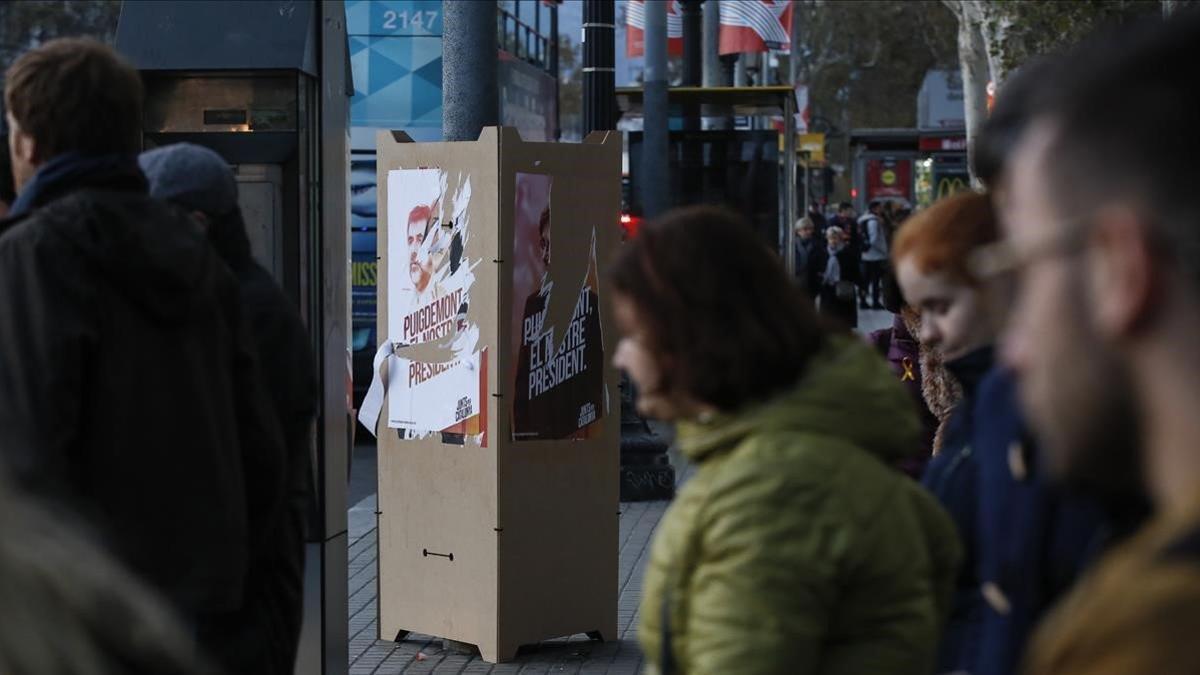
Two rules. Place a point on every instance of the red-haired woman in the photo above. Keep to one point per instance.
(795, 547)
(1025, 542)
(961, 317)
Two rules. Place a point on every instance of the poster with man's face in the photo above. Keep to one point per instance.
(558, 376)
(429, 283)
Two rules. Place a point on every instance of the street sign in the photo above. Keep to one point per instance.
(813, 145)
(394, 17)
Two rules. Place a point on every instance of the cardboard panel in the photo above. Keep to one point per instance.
(436, 497)
(559, 498)
(532, 524)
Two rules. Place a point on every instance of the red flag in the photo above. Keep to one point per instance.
(756, 26)
(635, 25)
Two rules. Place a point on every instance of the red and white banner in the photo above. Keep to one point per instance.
(635, 28)
(755, 26)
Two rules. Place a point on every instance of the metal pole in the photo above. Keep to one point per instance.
(599, 65)
(714, 68)
(655, 144)
(646, 471)
(693, 49)
(789, 180)
(807, 177)
(540, 55)
(553, 68)
(470, 96)
(712, 35)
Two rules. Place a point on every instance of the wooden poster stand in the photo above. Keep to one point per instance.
(516, 542)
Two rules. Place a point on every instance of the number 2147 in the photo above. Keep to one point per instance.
(393, 20)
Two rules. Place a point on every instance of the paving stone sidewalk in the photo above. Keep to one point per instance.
(574, 654)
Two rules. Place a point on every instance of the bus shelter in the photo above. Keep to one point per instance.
(725, 102)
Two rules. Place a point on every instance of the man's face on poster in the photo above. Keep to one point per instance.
(420, 262)
(544, 239)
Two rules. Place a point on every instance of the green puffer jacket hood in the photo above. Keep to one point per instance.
(846, 392)
(795, 547)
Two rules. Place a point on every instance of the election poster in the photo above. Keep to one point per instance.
(429, 286)
(558, 378)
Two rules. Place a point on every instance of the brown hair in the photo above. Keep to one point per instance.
(719, 306)
(942, 237)
(76, 94)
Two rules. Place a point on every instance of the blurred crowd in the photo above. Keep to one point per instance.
(157, 395)
(1002, 481)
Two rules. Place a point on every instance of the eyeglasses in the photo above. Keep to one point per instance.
(1004, 257)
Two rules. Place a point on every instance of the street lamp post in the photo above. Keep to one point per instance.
(470, 95)
(599, 65)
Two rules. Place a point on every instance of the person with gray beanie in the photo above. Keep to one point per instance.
(199, 181)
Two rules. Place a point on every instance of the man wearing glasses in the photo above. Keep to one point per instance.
(1103, 234)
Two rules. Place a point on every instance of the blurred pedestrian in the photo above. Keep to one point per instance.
(835, 274)
(69, 609)
(130, 393)
(1104, 332)
(807, 252)
(960, 317)
(1034, 537)
(844, 218)
(913, 364)
(795, 547)
(817, 216)
(983, 472)
(874, 228)
(201, 182)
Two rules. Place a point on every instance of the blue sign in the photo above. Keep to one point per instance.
(396, 55)
(397, 82)
(394, 17)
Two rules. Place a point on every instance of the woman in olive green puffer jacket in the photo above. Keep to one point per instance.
(795, 547)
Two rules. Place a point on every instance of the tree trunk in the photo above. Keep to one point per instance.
(993, 20)
(973, 59)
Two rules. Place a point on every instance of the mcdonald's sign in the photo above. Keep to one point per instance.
(950, 184)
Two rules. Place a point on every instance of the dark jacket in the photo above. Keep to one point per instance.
(275, 594)
(953, 477)
(1034, 539)
(806, 254)
(129, 391)
(845, 312)
(903, 354)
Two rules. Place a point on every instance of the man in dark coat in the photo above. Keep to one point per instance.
(201, 182)
(129, 392)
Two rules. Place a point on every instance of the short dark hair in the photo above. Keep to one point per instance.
(76, 95)
(1012, 113)
(719, 307)
(844, 205)
(1124, 120)
(875, 203)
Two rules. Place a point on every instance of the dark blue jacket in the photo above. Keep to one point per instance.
(953, 476)
(1033, 539)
